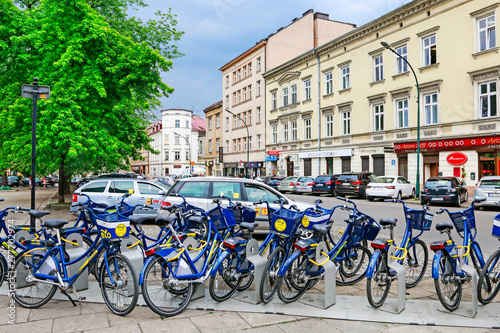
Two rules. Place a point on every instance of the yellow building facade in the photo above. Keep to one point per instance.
(351, 104)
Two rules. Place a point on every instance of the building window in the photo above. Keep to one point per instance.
(294, 94)
(250, 143)
(234, 145)
(401, 65)
(234, 77)
(227, 100)
(209, 123)
(431, 108)
(245, 118)
(250, 92)
(217, 121)
(307, 90)
(239, 96)
(285, 96)
(245, 94)
(328, 83)
(250, 69)
(177, 123)
(258, 64)
(329, 125)
(258, 114)
(250, 117)
(244, 71)
(201, 147)
(285, 132)
(187, 123)
(234, 99)
(486, 33)
(188, 158)
(430, 50)
(402, 113)
(217, 144)
(378, 117)
(245, 144)
(234, 122)
(227, 81)
(177, 155)
(227, 123)
(167, 156)
(239, 74)
(258, 141)
(346, 123)
(177, 140)
(210, 146)
(258, 88)
(488, 99)
(378, 68)
(274, 101)
(346, 77)
(227, 146)
(239, 144)
(274, 133)
(294, 131)
(307, 129)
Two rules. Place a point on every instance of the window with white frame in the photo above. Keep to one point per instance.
(209, 123)
(285, 96)
(307, 90)
(239, 144)
(245, 144)
(234, 145)
(217, 121)
(234, 77)
(234, 99)
(258, 114)
(188, 158)
(250, 92)
(249, 117)
(167, 155)
(346, 122)
(402, 113)
(217, 144)
(234, 122)
(258, 64)
(345, 77)
(227, 146)
(294, 93)
(285, 132)
(328, 83)
(177, 140)
(187, 123)
(227, 123)
(378, 68)
(227, 81)
(274, 101)
(244, 71)
(245, 118)
(378, 117)
(274, 134)
(250, 69)
(245, 94)
(329, 125)
(429, 49)
(258, 141)
(239, 96)
(486, 28)
(239, 74)
(227, 100)
(431, 108)
(177, 155)
(250, 143)
(488, 100)
(307, 129)
(200, 144)
(401, 65)
(177, 123)
(294, 131)
(258, 88)
(210, 145)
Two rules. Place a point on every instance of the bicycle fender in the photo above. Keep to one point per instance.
(162, 253)
(435, 264)
(371, 264)
(219, 261)
(287, 263)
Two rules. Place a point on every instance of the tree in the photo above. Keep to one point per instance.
(104, 75)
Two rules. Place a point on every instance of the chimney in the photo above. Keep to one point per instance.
(308, 12)
(322, 16)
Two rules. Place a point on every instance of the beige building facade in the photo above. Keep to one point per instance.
(355, 104)
(213, 139)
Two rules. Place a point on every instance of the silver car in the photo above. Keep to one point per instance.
(288, 184)
(489, 188)
(304, 185)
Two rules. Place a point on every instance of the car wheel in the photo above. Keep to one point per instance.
(423, 202)
(466, 196)
(412, 194)
(363, 196)
(459, 200)
(370, 198)
(399, 196)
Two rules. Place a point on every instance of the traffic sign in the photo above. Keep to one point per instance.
(29, 90)
(192, 163)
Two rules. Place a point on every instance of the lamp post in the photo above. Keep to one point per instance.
(189, 145)
(388, 46)
(248, 140)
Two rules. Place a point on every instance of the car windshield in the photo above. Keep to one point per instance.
(384, 180)
(347, 178)
(322, 179)
(305, 179)
(438, 183)
(490, 183)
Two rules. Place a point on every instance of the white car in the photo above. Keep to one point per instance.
(489, 188)
(395, 187)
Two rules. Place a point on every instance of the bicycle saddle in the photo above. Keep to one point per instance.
(163, 221)
(444, 225)
(38, 213)
(198, 219)
(323, 228)
(249, 225)
(389, 222)
(53, 223)
(137, 220)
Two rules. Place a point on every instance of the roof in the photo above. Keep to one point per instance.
(213, 106)
(198, 124)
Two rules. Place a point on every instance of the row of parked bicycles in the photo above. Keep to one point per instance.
(193, 247)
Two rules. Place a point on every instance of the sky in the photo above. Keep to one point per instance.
(217, 31)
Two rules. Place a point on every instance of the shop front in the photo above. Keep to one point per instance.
(272, 162)
(231, 169)
(327, 160)
(256, 169)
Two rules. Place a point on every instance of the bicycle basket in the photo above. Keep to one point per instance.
(419, 219)
(222, 218)
(365, 227)
(112, 226)
(311, 218)
(244, 214)
(285, 222)
(458, 219)
(496, 227)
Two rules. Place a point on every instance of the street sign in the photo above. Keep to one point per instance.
(192, 163)
(29, 89)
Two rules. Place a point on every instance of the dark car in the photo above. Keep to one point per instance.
(84, 180)
(274, 182)
(51, 181)
(444, 190)
(325, 184)
(353, 183)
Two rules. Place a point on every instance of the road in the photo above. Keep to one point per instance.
(22, 198)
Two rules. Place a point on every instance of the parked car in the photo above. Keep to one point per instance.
(353, 183)
(200, 192)
(396, 187)
(266, 179)
(274, 182)
(167, 181)
(489, 188)
(288, 184)
(109, 190)
(325, 184)
(304, 185)
(13, 181)
(444, 190)
(84, 180)
(118, 175)
(51, 181)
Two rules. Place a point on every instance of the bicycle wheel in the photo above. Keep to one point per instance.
(448, 285)
(3, 269)
(296, 281)
(119, 285)
(352, 268)
(415, 263)
(488, 285)
(164, 294)
(270, 274)
(223, 285)
(378, 286)
(30, 294)
(87, 243)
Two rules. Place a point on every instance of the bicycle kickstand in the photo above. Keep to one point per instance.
(78, 299)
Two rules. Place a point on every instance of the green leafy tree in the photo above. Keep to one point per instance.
(104, 70)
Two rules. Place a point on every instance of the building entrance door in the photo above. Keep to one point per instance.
(488, 164)
(289, 167)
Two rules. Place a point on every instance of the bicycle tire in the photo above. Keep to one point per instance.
(448, 287)
(488, 284)
(378, 286)
(295, 282)
(246, 282)
(33, 294)
(87, 244)
(3, 269)
(352, 268)
(415, 263)
(225, 282)
(162, 296)
(270, 275)
(117, 295)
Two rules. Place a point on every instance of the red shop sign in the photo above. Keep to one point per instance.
(457, 158)
(273, 152)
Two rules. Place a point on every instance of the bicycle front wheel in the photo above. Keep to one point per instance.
(448, 285)
(270, 274)
(3, 269)
(223, 285)
(378, 286)
(488, 284)
(415, 263)
(30, 294)
(296, 280)
(352, 268)
(119, 285)
(163, 293)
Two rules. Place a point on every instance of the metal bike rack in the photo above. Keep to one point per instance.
(21, 272)
(74, 249)
(400, 304)
(253, 256)
(329, 298)
(136, 258)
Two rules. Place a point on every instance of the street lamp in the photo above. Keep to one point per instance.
(388, 46)
(189, 145)
(248, 140)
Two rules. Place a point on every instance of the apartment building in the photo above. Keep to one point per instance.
(351, 104)
(243, 117)
(155, 160)
(213, 139)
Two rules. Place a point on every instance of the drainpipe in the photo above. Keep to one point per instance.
(319, 111)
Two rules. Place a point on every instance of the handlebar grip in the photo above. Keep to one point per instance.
(149, 207)
(390, 200)
(260, 202)
(342, 198)
(294, 207)
(441, 211)
(23, 209)
(2, 200)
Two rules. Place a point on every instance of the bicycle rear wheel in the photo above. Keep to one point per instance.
(3, 269)
(415, 263)
(488, 284)
(296, 281)
(119, 285)
(352, 268)
(270, 275)
(163, 293)
(30, 294)
(378, 286)
(223, 285)
(448, 285)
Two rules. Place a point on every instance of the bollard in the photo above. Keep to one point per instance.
(253, 257)
(400, 304)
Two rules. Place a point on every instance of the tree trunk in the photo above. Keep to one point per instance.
(63, 182)
(4, 178)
